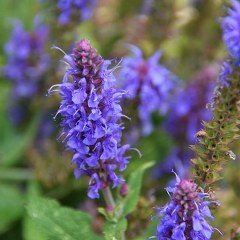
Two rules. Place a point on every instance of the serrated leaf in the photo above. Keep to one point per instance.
(11, 205)
(113, 230)
(134, 187)
(60, 223)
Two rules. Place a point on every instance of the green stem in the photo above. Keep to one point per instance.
(16, 174)
(107, 194)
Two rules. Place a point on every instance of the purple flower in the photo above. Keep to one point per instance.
(184, 218)
(27, 62)
(231, 30)
(178, 160)
(91, 118)
(186, 112)
(226, 71)
(188, 107)
(68, 8)
(149, 84)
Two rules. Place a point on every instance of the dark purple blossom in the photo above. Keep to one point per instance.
(149, 84)
(231, 30)
(91, 118)
(124, 190)
(67, 8)
(184, 218)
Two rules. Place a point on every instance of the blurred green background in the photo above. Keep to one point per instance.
(187, 32)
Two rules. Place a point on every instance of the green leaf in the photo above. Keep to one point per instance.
(153, 148)
(12, 144)
(134, 187)
(60, 223)
(113, 230)
(103, 212)
(11, 205)
(31, 230)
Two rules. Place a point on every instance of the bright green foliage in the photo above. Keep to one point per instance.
(134, 187)
(11, 205)
(9, 137)
(113, 230)
(60, 223)
(116, 223)
(31, 230)
(212, 147)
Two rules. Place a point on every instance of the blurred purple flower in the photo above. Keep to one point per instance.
(184, 218)
(231, 30)
(67, 7)
(91, 118)
(226, 71)
(187, 110)
(188, 107)
(177, 160)
(27, 62)
(148, 83)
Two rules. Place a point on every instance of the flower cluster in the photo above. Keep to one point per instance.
(27, 63)
(184, 217)
(231, 31)
(70, 7)
(91, 118)
(149, 84)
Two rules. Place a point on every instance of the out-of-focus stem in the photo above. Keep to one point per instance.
(107, 194)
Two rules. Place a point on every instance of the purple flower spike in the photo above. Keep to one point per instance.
(231, 30)
(184, 217)
(91, 118)
(149, 83)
